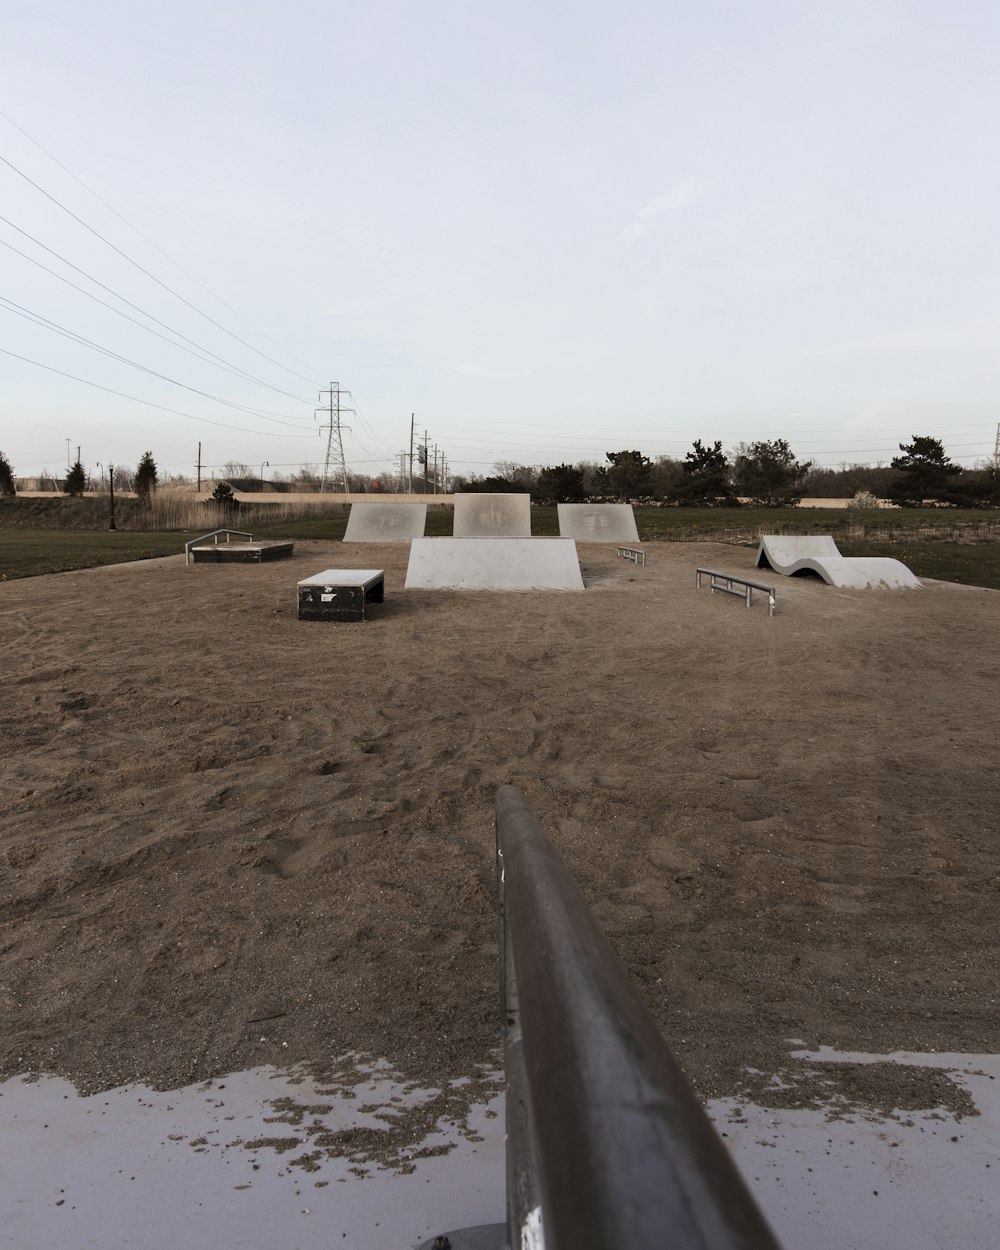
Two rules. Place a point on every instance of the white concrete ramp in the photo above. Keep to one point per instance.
(385, 522)
(493, 564)
(492, 516)
(817, 553)
(598, 522)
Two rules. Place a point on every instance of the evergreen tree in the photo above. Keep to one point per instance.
(144, 482)
(927, 473)
(559, 484)
(768, 473)
(7, 486)
(706, 477)
(76, 480)
(224, 498)
(629, 475)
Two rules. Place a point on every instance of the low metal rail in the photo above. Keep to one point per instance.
(634, 554)
(608, 1146)
(193, 542)
(727, 583)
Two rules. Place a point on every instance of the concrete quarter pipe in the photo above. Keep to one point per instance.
(385, 522)
(793, 554)
(598, 522)
(492, 516)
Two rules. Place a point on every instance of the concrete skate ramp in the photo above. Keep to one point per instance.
(493, 564)
(492, 516)
(791, 554)
(598, 522)
(385, 522)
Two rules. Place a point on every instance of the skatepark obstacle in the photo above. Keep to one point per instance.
(340, 594)
(633, 554)
(727, 582)
(492, 516)
(202, 551)
(382, 522)
(493, 564)
(797, 554)
(607, 1144)
(598, 522)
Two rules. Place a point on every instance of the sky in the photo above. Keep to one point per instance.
(547, 231)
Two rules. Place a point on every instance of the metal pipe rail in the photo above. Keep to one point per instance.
(633, 554)
(608, 1145)
(193, 542)
(729, 589)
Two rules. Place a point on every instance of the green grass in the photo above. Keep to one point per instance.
(26, 552)
(957, 545)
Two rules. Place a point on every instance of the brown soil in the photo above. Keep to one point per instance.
(231, 838)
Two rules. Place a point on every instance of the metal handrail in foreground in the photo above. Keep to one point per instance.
(724, 582)
(608, 1146)
(193, 542)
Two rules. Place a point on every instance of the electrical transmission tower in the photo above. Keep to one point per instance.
(334, 442)
(996, 451)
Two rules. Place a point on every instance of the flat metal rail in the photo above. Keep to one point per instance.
(193, 542)
(727, 583)
(633, 554)
(622, 1152)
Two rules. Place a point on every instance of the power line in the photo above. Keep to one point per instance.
(111, 291)
(147, 239)
(37, 319)
(152, 277)
(148, 402)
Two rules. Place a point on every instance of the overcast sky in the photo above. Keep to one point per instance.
(547, 229)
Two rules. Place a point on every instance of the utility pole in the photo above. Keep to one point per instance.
(334, 440)
(412, 418)
(198, 467)
(111, 480)
(425, 462)
(996, 451)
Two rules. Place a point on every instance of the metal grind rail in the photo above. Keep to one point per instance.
(727, 583)
(634, 554)
(608, 1146)
(193, 542)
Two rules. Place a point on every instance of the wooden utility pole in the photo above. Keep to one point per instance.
(198, 466)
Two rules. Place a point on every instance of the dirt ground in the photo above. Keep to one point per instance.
(231, 838)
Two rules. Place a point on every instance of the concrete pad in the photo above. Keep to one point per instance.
(598, 522)
(791, 554)
(492, 516)
(385, 522)
(493, 564)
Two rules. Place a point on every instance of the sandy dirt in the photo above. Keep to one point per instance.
(231, 838)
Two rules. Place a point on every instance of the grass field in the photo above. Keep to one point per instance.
(953, 545)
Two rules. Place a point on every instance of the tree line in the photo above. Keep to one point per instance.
(765, 473)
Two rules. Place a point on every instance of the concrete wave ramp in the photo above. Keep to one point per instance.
(493, 564)
(817, 553)
(383, 522)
